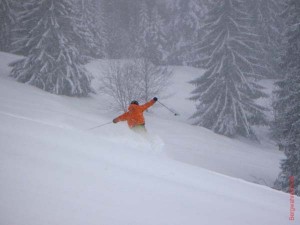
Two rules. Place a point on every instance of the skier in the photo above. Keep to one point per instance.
(134, 116)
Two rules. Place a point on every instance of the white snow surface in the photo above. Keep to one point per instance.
(54, 171)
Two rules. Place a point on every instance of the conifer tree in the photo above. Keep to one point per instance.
(156, 38)
(286, 126)
(269, 26)
(141, 42)
(7, 18)
(22, 27)
(90, 28)
(53, 63)
(118, 38)
(151, 38)
(226, 92)
(183, 27)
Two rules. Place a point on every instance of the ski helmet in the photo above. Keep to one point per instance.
(135, 102)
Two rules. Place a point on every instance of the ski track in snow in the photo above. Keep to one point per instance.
(30, 119)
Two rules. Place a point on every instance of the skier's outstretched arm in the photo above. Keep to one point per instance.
(148, 104)
(123, 117)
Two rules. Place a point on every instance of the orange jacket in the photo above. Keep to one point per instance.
(135, 116)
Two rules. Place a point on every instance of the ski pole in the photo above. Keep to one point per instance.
(172, 111)
(100, 125)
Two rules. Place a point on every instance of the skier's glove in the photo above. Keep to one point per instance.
(155, 99)
(115, 120)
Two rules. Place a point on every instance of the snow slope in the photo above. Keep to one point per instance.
(257, 163)
(54, 171)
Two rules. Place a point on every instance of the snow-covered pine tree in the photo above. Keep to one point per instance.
(101, 29)
(90, 28)
(7, 18)
(150, 38)
(184, 27)
(157, 38)
(269, 26)
(189, 18)
(141, 42)
(53, 63)
(21, 27)
(226, 92)
(286, 126)
(116, 17)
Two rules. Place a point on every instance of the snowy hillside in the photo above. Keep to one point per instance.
(257, 163)
(53, 170)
